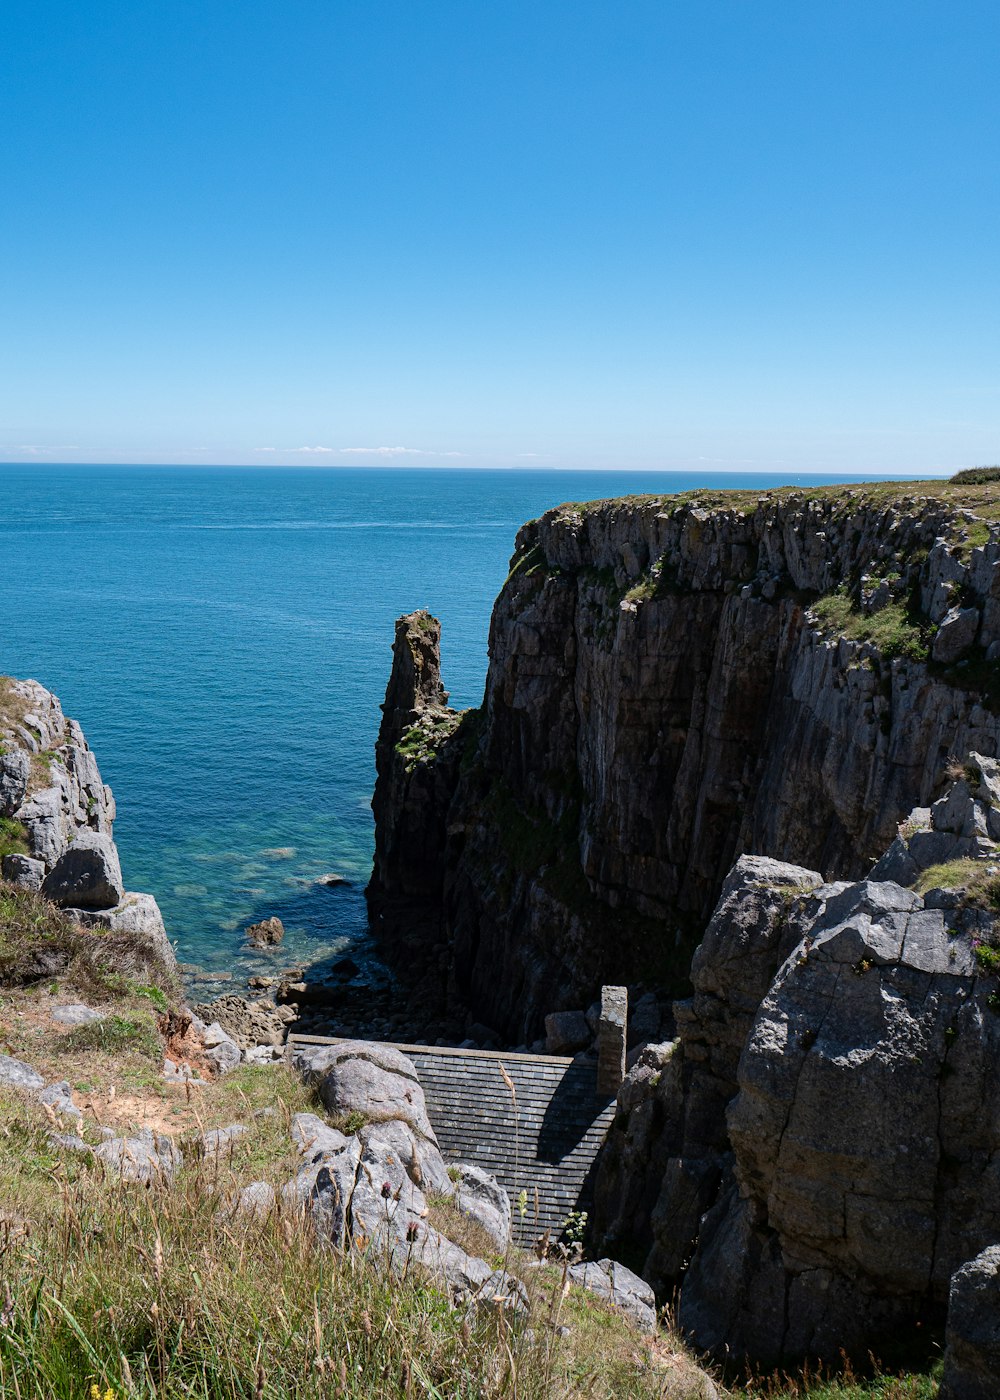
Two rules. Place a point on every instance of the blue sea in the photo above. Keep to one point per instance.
(223, 636)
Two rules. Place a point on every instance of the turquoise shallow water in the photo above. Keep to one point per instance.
(223, 635)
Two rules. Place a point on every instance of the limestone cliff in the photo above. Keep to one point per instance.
(57, 820)
(816, 1155)
(674, 682)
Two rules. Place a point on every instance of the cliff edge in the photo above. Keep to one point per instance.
(674, 682)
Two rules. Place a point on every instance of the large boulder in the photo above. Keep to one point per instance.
(566, 1032)
(866, 1135)
(376, 1081)
(267, 934)
(972, 1339)
(88, 875)
(145, 1158)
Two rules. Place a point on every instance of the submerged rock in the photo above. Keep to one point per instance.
(267, 934)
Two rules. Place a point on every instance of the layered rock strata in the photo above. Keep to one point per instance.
(674, 682)
(58, 816)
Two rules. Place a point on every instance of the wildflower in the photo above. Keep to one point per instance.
(412, 1231)
(386, 1190)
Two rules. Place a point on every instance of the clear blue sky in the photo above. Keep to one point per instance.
(660, 233)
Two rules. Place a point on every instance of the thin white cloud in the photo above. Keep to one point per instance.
(288, 450)
(395, 452)
(37, 450)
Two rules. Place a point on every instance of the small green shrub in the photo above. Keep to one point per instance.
(13, 838)
(895, 629)
(975, 476)
(115, 1035)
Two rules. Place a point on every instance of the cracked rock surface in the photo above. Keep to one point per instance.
(819, 1152)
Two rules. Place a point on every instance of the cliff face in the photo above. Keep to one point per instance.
(816, 1154)
(674, 682)
(57, 820)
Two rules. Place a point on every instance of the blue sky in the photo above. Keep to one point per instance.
(657, 233)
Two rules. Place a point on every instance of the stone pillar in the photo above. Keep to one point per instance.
(611, 1034)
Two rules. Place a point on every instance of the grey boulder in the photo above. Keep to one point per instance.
(224, 1057)
(566, 1032)
(220, 1142)
(481, 1197)
(621, 1287)
(15, 1074)
(59, 1097)
(23, 871)
(955, 635)
(88, 875)
(145, 1158)
(972, 1337)
(75, 1014)
(255, 1201)
(376, 1081)
(136, 914)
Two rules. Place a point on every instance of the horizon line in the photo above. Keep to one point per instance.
(927, 473)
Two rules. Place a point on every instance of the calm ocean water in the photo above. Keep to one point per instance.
(223, 635)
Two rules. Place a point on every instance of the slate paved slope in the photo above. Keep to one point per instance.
(547, 1148)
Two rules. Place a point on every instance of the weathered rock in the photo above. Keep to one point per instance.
(566, 1032)
(75, 1014)
(255, 1201)
(15, 768)
(481, 1197)
(955, 635)
(224, 1057)
(220, 1142)
(420, 1157)
(373, 1080)
(144, 1158)
(621, 1287)
(667, 1150)
(862, 1182)
(88, 875)
(248, 1023)
(324, 1186)
(267, 934)
(59, 1097)
(15, 1074)
(972, 1351)
(22, 871)
(311, 1135)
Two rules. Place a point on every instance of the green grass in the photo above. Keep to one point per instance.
(115, 1035)
(13, 838)
(949, 875)
(894, 629)
(153, 1294)
(38, 942)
